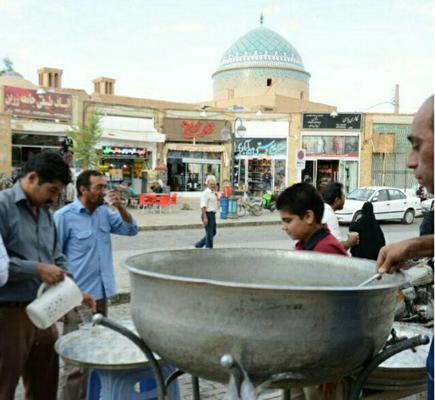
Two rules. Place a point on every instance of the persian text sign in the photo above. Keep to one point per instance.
(28, 103)
(261, 147)
(127, 152)
(326, 121)
(189, 130)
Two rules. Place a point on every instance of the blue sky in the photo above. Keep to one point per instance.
(168, 49)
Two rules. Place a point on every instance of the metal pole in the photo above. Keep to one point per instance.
(233, 135)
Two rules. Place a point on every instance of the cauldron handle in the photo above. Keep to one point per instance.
(99, 319)
(357, 384)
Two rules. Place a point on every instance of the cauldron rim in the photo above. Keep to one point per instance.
(399, 279)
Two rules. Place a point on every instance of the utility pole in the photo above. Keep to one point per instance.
(396, 99)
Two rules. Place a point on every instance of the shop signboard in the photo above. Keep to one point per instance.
(28, 103)
(192, 130)
(330, 146)
(188, 160)
(334, 121)
(261, 147)
(124, 152)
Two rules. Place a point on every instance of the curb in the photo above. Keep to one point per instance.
(144, 228)
(120, 298)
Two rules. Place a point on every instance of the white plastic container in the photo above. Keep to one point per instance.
(53, 302)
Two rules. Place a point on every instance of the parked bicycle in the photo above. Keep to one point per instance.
(246, 205)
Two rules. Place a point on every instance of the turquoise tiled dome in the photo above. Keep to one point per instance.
(261, 47)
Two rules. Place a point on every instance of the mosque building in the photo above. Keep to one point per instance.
(260, 83)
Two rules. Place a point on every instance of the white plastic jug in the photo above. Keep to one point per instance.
(53, 302)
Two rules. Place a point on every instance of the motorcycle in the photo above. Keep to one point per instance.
(268, 201)
(415, 302)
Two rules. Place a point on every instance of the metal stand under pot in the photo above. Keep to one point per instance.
(238, 375)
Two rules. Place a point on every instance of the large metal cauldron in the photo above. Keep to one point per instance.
(275, 311)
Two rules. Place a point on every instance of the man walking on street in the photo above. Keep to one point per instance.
(29, 235)
(209, 204)
(421, 160)
(84, 229)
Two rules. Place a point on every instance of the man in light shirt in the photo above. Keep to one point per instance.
(84, 228)
(333, 196)
(209, 204)
(4, 263)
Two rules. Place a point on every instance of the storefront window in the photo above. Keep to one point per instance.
(126, 170)
(20, 154)
(187, 171)
(344, 146)
(36, 140)
(279, 183)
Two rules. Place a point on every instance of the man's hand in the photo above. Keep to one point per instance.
(391, 257)
(114, 199)
(352, 239)
(204, 220)
(90, 301)
(49, 273)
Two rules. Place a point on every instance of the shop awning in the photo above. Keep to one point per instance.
(139, 138)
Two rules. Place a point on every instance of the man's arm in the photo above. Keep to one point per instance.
(119, 225)
(203, 205)
(391, 257)
(4, 263)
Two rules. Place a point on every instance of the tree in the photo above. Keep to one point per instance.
(85, 138)
(8, 66)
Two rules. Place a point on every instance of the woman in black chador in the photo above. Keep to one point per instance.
(371, 237)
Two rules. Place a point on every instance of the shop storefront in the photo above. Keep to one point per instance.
(332, 149)
(260, 165)
(193, 153)
(38, 122)
(261, 157)
(128, 149)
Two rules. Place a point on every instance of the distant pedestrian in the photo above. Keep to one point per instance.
(209, 204)
(70, 193)
(334, 198)
(371, 237)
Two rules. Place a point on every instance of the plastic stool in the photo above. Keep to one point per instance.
(130, 384)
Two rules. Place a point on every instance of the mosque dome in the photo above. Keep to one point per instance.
(261, 62)
(261, 47)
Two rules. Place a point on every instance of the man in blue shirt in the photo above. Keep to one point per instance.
(84, 229)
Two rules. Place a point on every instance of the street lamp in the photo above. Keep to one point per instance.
(226, 134)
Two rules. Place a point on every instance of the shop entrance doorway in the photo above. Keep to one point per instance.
(321, 172)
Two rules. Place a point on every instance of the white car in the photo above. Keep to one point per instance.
(388, 203)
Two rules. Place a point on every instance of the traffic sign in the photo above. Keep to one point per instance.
(300, 159)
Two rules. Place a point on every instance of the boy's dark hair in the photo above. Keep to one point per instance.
(332, 191)
(49, 166)
(84, 179)
(300, 198)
